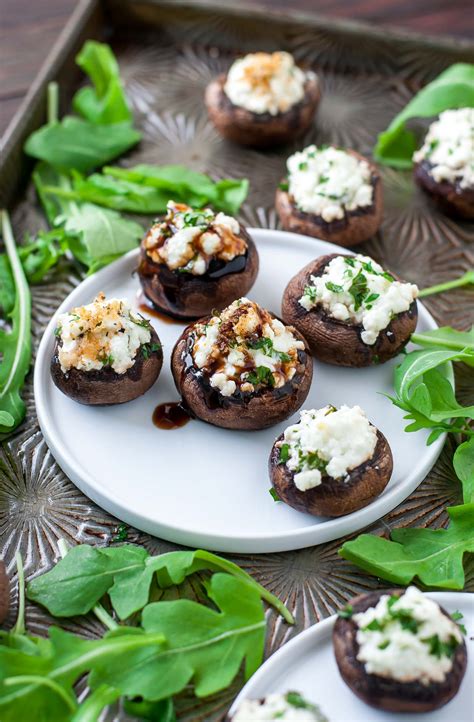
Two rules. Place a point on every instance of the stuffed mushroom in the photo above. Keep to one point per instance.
(196, 261)
(444, 165)
(289, 707)
(332, 194)
(332, 462)
(399, 651)
(105, 353)
(350, 310)
(242, 368)
(265, 99)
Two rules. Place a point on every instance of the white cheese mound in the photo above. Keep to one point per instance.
(265, 83)
(398, 653)
(340, 291)
(276, 707)
(103, 333)
(328, 441)
(449, 147)
(328, 182)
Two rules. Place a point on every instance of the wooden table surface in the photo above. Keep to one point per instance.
(28, 30)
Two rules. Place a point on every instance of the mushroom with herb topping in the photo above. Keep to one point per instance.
(289, 707)
(105, 353)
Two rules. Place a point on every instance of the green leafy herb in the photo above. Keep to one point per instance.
(439, 649)
(346, 612)
(313, 461)
(284, 453)
(334, 287)
(358, 289)
(463, 462)
(467, 279)
(454, 88)
(149, 348)
(456, 617)
(266, 345)
(262, 375)
(446, 337)
(121, 534)
(349, 261)
(311, 293)
(384, 644)
(273, 493)
(284, 185)
(296, 700)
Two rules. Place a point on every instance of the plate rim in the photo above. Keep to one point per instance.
(299, 538)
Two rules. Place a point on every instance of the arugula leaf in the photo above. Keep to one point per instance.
(434, 556)
(7, 285)
(418, 363)
(38, 256)
(446, 337)
(15, 344)
(463, 462)
(454, 88)
(467, 279)
(105, 102)
(162, 711)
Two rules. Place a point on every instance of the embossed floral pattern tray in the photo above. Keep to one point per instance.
(168, 52)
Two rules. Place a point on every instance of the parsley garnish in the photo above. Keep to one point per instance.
(358, 289)
(310, 292)
(384, 644)
(314, 461)
(274, 494)
(374, 626)
(58, 330)
(350, 261)
(105, 359)
(334, 287)
(139, 320)
(456, 617)
(121, 534)
(262, 375)
(284, 453)
(441, 649)
(266, 345)
(303, 165)
(197, 218)
(149, 348)
(284, 185)
(296, 700)
(346, 612)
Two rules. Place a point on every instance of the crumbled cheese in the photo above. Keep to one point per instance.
(244, 347)
(449, 148)
(327, 441)
(411, 646)
(328, 182)
(358, 290)
(103, 333)
(278, 707)
(265, 83)
(188, 240)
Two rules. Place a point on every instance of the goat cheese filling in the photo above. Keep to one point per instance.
(407, 638)
(327, 442)
(243, 348)
(449, 148)
(289, 707)
(265, 83)
(188, 240)
(328, 182)
(103, 333)
(358, 290)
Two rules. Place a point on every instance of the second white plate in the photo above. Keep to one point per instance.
(201, 485)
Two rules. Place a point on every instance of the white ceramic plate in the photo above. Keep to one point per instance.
(307, 665)
(201, 485)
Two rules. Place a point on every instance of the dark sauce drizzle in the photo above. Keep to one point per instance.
(171, 415)
(147, 306)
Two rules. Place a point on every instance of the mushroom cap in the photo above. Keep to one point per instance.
(384, 693)
(447, 196)
(186, 296)
(355, 227)
(339, 342)
(248, 411)
(106, 387)
(260, 129)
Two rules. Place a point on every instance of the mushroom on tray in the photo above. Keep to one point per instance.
(265, 99)
(351, 311)
(105, 353)
(332, 462)
(332, 194)
(289, 707)
(194, 261)
(444, 165)
(242, 368)
(399, 651)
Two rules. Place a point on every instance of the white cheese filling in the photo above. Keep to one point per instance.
(449, 147)
(329, 442)
(408, 639)
(358, 290)
(103, 333)
(257, 349)
(277, 707)
(329, 182)
(265, 83)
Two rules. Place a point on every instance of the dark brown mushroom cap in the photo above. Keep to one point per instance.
(239, 411)
(339, 342)
(4, 592)
(335, 497)
(355, 227)
(383, 692)
(449, 197)
(260, 129)
(186, 296)
(106, 387)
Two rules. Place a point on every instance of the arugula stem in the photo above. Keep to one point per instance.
(53, 103)
(465, 280)
(90, 709)
(100, 612)
(19, 627)
(36, 679)
(424, 340)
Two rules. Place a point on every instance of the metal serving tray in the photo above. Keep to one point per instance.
(168, 51)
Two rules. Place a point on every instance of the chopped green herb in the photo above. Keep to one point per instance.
(346, 612)
(407, 621)
(433, 144)
(105, 359)
(198, 218)
(284, 453)
(149, 348)
(324, 179)
(138, 319)
(384, 644)
(374, 626)
(261, 376)
(121, 534)
(456, 617)
(58, 330)
(296, 700)
(441, 649)
(284, 185)
(334, 287)
(350, 261)
(371, 298)
(310, 292)
(358, 289)
(303, 165)
(375, 359)
(266, 345)
(313, 461)
(274, 494)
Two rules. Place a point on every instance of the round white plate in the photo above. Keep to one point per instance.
(204, 486)
(307, 665)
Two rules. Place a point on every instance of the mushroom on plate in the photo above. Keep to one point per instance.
(444, 165)
(331, 193)
(265, 99)
(242, 368)
(105, 353)
(288, 707)
(331, 462)
(398, 650)
(195, 261)
(351, 311)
